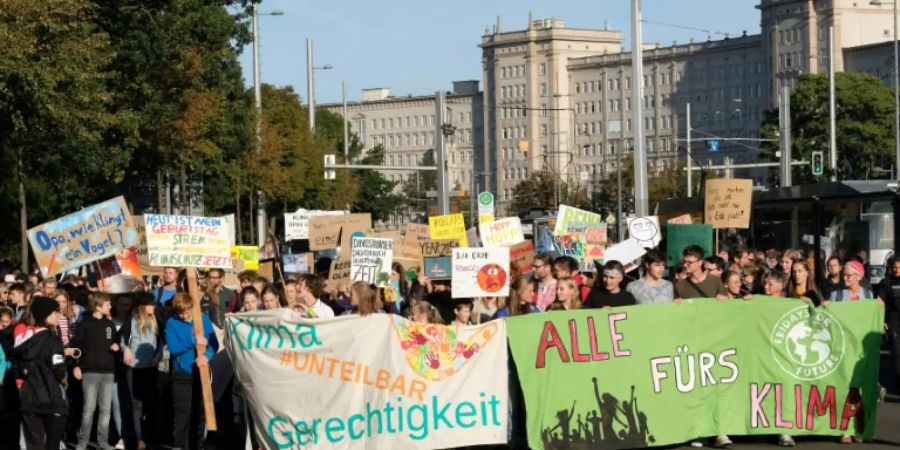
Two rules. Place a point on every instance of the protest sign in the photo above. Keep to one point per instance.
(299, 263)
(571, 243)
(415, 232)
(595, 235)
(296, 224)
(327, 232)
(248, 255)
(395, 385)
(480, 272)
(143, 257)
(501, 233)
(645, 230)
(678, 237)
(338, 275)
(592, 253)
(684, 219)
(450, 226)
(437, 258)
(784, 367)
(89, 235)
(370, 260)
(410, 267)
(727, 203)
(123, 263)
(187, 241)
(521, 256)
(574, 217)
(625, 252)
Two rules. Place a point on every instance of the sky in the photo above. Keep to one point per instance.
(419, 47)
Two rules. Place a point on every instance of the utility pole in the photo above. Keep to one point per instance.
(832, 128)
(309, 85)
(257, 100)
(641, 197)
(784, 113)
(619, 216)
(439, 155)
(690, 180)
(346, 123)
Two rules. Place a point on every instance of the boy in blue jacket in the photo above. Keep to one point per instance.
(186, 392)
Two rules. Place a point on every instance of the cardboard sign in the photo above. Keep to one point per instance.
(595, 235)
(415, 232)
(437, 258)
(94, 233)
(678, 237)
(410, 267)
(728, 202)
(267, 270)
(327, 232)
(187, 241)
(450, 226)
(299, 263)
(247, 254)
(592, 253)
(501, 233)
(338, 275)
(480, 272)
(574, 217)
(521, 256)
(370, 260)
(645, 230)
(296, 224)
(625, 252)
(684, 219)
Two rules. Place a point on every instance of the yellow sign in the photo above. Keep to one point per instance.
(449, 226)
(486, 218)
(248, 254)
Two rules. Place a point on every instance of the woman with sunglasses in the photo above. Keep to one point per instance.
(608, 290)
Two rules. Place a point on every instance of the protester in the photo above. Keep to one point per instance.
(738, 257)
(260, 283)
(97, 338)
(567, 266)
(833, 280)
(788, 258)
(42, 394)
(364, 299)
(246, 278)
(485, 308)
(169, 286)
(48, 287)
(714, 266)
(772, 258)
(520, 293)
(852, 290)
(309, 302)
(462, 310)
(679, 272)
(697, 284)
(889, 292)
(773, 284)
(142, 339)
(292, 292)
(249, 299)
(66, 319)
(424, 313)
(121, 314)
(802, 286)
(398, 279)
(227, 298)
(545, 288)
(17, 299)
(270, 298)
(608, 290)
(734, 289)
(567, 296)
(652, 288)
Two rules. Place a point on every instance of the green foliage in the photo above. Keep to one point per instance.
(864, 110)
(375, 190)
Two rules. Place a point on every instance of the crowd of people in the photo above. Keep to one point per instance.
(70, 350)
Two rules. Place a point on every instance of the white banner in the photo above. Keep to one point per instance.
(480, 272)
(187, 241)
(502, 232)
(375, 382)
(296, 224)
(645, 230)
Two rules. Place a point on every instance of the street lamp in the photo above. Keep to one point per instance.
(896, 85)
(261, 231)
(310, 83)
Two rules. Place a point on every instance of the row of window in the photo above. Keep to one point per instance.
(519, 71)
(403, 122)
(513, 132)
(464, 157)
(462, 136)
(514, 91)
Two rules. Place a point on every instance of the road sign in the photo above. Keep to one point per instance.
(713, 145)
(485, 205)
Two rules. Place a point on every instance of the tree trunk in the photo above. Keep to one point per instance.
(159, 191)
(185, 197)
(251, 217)
(237, 215)
(23, 214)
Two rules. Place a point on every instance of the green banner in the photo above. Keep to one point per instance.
(668, 373)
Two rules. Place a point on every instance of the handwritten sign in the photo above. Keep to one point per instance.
(187, 241)
(501, 233)
(248, 255)
(480, 272)
(415, 232)
(370, 260)
(327, 232)
(625, 252)
(728, 203)
(645, 230)
(299, 263)
(521, 256)
(296, 224)
(437, 258)
(595, 235)
(574, 217)
(94, 233)
(338, 275)
(450, 226)
(678, 237)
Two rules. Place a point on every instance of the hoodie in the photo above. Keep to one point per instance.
(42, 368)
(182, 343)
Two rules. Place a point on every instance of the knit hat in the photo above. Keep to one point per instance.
(42, 307)
(857, 267)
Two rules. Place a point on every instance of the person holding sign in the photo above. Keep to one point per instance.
(697, 284)
(186, 392)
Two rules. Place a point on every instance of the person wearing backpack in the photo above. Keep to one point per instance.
(42, 368)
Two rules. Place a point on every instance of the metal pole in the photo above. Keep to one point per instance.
(257, 98)
(690, 178)
(786, 143)
(641, 198)
(346, 123)
(309, 85)
(619, 217)
(896, 93)
(832, 128)
(439, 156)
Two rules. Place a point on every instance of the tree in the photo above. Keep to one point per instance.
(376, 193)
(415, 187)
(539, 190)
(864, 110)
(664, 185)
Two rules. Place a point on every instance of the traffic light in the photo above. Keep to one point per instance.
(329, 161)
(818, 163)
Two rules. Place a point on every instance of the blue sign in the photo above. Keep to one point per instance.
(713, 145)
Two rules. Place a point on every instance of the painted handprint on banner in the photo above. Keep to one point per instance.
(435, 351)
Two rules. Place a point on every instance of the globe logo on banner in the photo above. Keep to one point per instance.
(808, 346)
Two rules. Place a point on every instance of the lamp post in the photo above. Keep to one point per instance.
(896, 86)
(257, 101)
(311, 83)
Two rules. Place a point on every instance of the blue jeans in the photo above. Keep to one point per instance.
(98, 388)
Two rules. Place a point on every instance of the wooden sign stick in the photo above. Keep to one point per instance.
(208, 406)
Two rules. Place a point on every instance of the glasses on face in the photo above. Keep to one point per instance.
(538, 266)
(690, 261)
